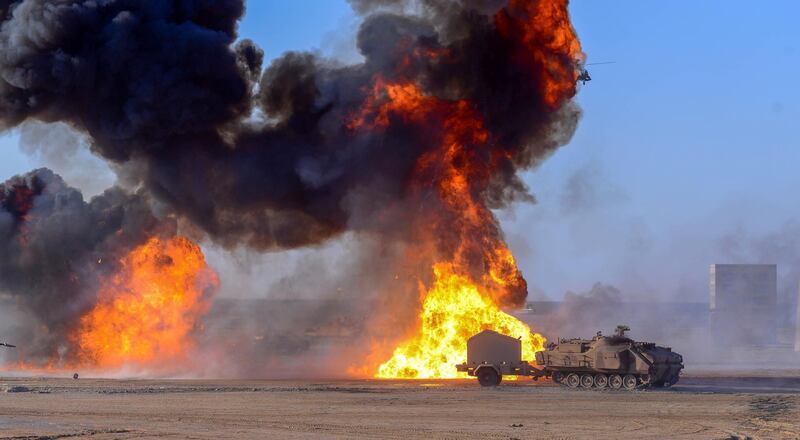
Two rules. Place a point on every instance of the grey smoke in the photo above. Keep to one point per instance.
(779, 246)
(582, 314)
(318, 315)
(66, 151)
(589, 188)
(56, 246)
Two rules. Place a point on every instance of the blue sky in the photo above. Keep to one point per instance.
(689, 137)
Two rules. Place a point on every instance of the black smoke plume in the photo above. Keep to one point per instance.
(166, 86)
(167, 92)
(55, 248)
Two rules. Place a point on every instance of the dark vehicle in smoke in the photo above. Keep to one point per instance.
(583, 75)
(3, 344)
(601, 362)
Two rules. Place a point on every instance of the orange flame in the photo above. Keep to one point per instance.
(546, 43)
(460, 302)
(456, 306)
(147, 312)
(454, 309)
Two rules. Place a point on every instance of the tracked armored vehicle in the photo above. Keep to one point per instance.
(601, 362)
(610, 361)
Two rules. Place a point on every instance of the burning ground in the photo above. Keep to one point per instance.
(411, 149)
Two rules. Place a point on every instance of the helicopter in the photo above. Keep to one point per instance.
(584, 76)
(3, 344)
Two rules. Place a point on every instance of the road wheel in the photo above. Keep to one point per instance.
(629, 381)
(587, 380)
(601, 381)
(558, 377)
(645, 379)
(573, 380)
(615, 381)
(487, 377)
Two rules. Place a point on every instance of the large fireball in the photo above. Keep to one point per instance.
(453, 310)
(147, 312)
(475, 274)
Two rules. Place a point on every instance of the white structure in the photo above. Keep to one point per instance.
(797, 325)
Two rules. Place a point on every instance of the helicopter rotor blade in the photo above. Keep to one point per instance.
(602, 62)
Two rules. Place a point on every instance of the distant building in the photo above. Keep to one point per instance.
(743, 303)
(797, 325)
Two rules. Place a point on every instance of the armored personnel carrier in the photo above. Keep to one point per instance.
(610, 361)
(601, 362)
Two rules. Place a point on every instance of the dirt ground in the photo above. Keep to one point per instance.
(702, 407)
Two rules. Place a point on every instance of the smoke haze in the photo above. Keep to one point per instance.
(250, 158)
(58, 147)
(205, 139)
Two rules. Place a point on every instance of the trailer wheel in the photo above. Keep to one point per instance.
(488, 377)
(601, 381)
(629, 381)
(615, 381)
(573, 380)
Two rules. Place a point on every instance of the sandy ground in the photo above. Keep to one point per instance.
(702, 407)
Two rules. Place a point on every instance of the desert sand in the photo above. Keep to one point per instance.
(699, 407)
